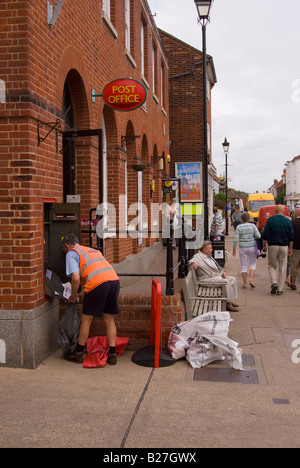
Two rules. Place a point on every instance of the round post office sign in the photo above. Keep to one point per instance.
(125, 94)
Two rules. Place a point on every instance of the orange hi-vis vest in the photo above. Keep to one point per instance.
(94, 269)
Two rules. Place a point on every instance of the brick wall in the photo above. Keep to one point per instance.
(186, 100)
(36, 61)
(135, 318)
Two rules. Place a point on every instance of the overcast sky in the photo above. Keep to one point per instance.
(255, 45)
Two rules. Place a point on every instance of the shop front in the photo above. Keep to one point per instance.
(68, 148)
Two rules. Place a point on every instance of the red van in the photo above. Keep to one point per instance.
(266, 212)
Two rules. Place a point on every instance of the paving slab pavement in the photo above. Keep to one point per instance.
(61, 404)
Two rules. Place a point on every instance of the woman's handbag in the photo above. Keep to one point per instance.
(256, 244)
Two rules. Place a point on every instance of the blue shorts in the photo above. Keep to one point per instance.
(102, 300)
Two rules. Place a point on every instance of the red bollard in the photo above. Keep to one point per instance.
(155, 332)
(154, 355)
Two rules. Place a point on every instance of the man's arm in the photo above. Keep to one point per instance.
(75, 285)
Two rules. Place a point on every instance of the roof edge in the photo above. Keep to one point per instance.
(210, 58)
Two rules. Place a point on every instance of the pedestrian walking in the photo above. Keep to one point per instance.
(246, 235)
(279, 235)
(101, 287)
(236, 218)
(295, 257)
(217, 224)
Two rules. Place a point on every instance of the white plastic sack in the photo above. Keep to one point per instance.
(216, 349)
(230, 350)
(204, 340)
(184, 333)
(202, 352)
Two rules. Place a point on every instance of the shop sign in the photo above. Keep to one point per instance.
(85, 222)
(125, 94)
(190, 175)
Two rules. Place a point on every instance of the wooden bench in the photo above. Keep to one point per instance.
(201, 298)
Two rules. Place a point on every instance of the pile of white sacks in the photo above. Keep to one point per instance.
(204, 340)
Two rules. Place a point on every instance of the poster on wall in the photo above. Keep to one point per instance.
(190, 175)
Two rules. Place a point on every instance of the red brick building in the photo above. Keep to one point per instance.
(186, 105)
(57, 140)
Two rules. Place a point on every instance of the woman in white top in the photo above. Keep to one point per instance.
(246, 235)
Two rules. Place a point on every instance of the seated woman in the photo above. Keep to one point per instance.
(209, 271)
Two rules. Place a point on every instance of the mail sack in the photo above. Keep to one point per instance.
(204, 339)
(97, 349)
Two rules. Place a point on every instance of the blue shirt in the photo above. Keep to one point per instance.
(72, 262)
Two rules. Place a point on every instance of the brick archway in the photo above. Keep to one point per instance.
(82, 153)
(71, 59)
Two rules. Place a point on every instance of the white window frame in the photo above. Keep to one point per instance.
(208, 88)
(142, 48)
(106, 7)
(208, 139)
(162, 78)
(127, 26)
(2, 91)
(104, 177)
(126, 194)
(153, 67)
(140, 208)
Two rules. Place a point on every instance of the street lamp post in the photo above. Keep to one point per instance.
(203, 9)
(226, 150)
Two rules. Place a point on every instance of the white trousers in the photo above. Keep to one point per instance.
(277, 264)
(248, 255)
(231, 288)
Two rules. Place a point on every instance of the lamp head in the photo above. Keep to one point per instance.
(203, 8)
(226, 145)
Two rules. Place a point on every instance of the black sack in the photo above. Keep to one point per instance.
(68, 329)
(53, 285)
